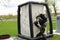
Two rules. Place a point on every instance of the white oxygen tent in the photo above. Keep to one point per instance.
(36, 10)
(27, 13)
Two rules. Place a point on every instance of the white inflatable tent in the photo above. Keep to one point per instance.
(27, 13)
(24, 13)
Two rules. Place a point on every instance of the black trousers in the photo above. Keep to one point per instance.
(43, 36)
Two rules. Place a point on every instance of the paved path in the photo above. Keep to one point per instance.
(54, 32)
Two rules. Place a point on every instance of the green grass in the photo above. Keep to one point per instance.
(8, 27)
(55, 37)
(53, 24)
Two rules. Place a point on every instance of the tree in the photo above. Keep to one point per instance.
(5, 2)
(53, 3)
(54, 6)
(46, 0)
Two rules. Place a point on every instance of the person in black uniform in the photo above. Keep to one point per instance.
(41, 24)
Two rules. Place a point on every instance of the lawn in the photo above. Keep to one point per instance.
(55, 37)
(10, 27)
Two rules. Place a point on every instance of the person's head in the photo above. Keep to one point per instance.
(42, 18)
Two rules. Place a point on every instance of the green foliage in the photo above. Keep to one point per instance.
(9, 16)
(53, 4)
